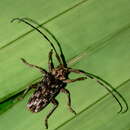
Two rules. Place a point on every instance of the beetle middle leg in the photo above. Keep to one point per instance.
(33, 86)
(55, 103)
(69, 99)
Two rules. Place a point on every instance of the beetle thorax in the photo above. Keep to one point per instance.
(60, 73)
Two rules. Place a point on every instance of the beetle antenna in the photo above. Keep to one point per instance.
(105, 84)
(53, 36)
(22, 20)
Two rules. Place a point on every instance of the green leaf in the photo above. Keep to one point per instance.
(95, 37)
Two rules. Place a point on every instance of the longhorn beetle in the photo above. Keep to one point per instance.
(55, 80)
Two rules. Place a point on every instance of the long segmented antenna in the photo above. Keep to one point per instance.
(22, 20)
(53, 36)
(105, 84)
(102, 83)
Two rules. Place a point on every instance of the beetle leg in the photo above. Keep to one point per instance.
(28, 89)
(34, 66)
(73, 80)
(55, 103)
(69, 99)
(50, 61)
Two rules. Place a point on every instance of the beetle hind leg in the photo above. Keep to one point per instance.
(55, 103)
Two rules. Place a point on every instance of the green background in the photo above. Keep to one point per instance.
(95, 37)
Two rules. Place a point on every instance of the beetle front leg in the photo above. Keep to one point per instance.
(50, 61)
(74, 80)
(55, 103)
(69, 99)
(34, 66)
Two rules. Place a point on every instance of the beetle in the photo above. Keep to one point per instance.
(55, 80)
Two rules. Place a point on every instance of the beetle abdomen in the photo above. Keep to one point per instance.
(38, 101)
